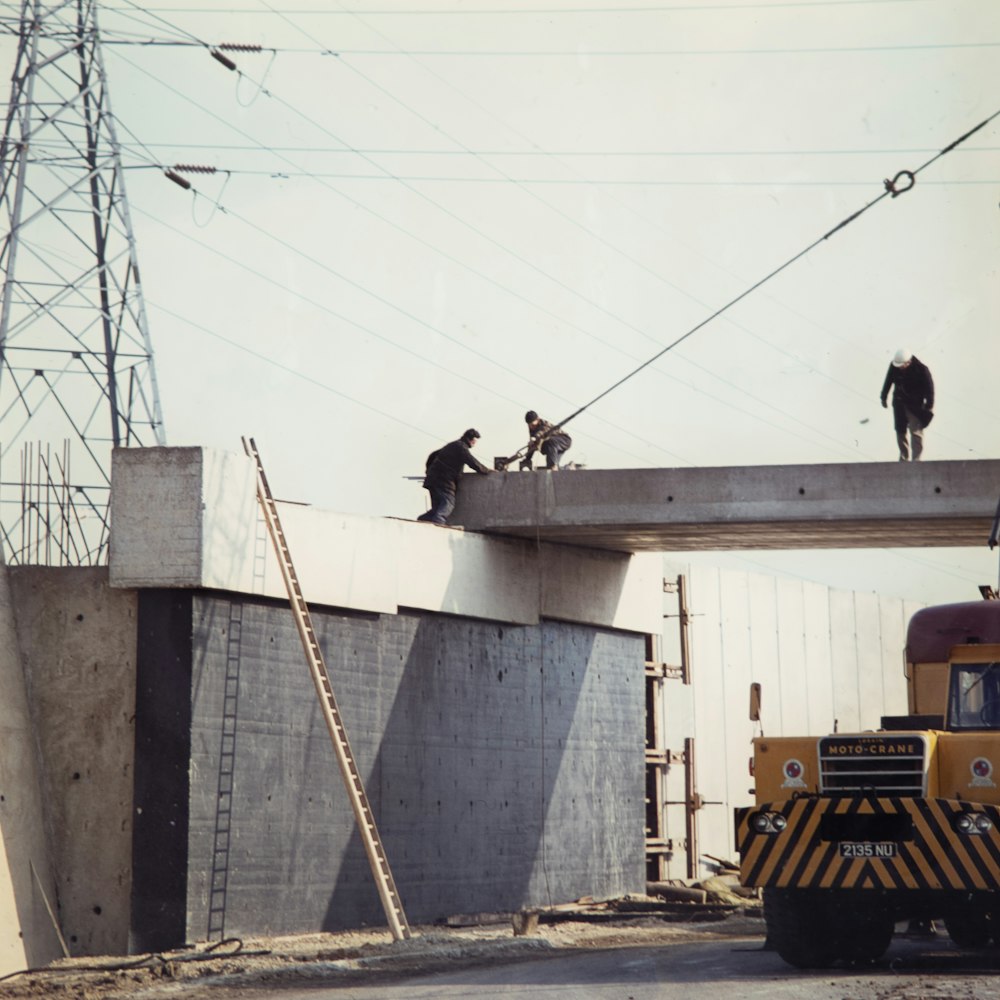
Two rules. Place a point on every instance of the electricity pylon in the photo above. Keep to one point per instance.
(76, 362)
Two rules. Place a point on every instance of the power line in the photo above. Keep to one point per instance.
(423, 358)
(465, 11)
(568, 153)
(573, 291)
(643, 217)
(660, 53)
(576, 224)
(561, 182)
(507, 250)
(900, 184)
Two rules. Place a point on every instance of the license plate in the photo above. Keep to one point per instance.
(868, 849)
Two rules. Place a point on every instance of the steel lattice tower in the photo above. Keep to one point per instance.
(76, 364)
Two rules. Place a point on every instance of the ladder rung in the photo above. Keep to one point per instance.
(366, 821)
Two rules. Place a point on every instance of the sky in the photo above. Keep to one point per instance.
(429, 217)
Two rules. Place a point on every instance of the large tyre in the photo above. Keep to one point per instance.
(969, 929)
(799, 928)
(866, 928)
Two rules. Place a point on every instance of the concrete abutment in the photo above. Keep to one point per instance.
(493, 690)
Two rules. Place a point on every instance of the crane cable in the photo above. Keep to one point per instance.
(900, 184)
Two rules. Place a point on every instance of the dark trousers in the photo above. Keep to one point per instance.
(553, 450)
(908, 420)
(442, 504)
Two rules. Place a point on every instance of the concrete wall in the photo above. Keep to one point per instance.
(826, 658)
(76, 638)
(27, 933)
(504, 765)
(493, 691)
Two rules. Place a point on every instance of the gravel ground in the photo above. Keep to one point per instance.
(227, 970)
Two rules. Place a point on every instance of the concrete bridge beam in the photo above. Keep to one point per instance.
(861, 505)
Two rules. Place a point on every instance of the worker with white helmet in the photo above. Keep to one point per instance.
(912, 402)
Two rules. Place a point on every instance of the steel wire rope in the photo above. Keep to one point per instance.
(586, 229)
(551, 182)
(891, 189)
(559, 282)
(740, 326)
(135, 9)
(838, 443)
(458, 261)
(359, 326)
(711, 374)
(293, 249)
(154, 162)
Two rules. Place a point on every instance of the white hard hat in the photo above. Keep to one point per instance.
(902, 357)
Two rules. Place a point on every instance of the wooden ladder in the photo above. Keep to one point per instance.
(331, 713)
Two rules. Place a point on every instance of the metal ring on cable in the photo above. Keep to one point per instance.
(892, 186)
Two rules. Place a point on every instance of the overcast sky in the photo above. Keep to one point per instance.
(427, 217)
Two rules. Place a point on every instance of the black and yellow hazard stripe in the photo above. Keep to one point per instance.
(932, 855)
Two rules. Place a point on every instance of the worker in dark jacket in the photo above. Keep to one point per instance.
(443, 470)
(552, 442)
(912, 401)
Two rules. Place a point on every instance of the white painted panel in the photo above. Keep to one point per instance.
(708, 672)
(871, 681)
(846, 709)
(341, 560)
(818, 675)
(794, 670)
(461, 572)
(764, 647)
(893, 619)
(230, 525)
(604, 588)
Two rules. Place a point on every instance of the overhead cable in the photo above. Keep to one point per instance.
(464, 222)
(903, 181)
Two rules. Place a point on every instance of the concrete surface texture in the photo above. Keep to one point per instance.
(27, 935)
(504, 765)
(77, 644)
(856, 505)
(188, 517)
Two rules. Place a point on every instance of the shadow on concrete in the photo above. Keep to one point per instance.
(504, 768)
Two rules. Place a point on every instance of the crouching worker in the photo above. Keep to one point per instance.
(552, 442)
(443, 470)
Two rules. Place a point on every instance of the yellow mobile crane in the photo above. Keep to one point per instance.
(852, 832)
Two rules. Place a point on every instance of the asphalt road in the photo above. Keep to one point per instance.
(724, 969)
